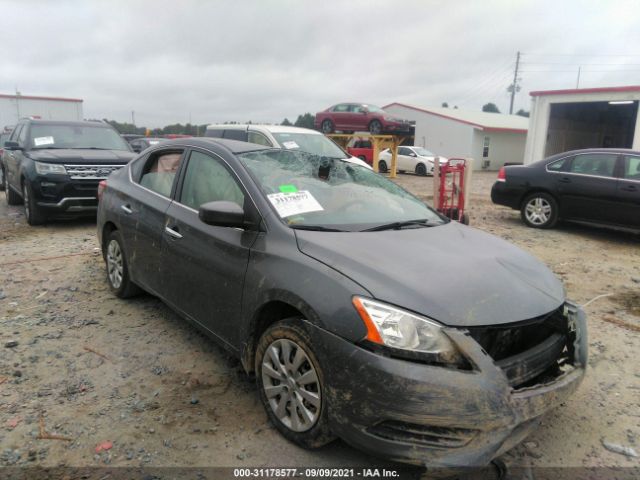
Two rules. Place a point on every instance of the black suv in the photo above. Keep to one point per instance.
(54, 167)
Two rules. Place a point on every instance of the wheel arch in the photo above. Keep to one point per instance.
(107, 229)
(277, 308)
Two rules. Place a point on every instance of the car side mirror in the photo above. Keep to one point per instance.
(12, 146)
(222, 214)
(412, 154)
(136, 148)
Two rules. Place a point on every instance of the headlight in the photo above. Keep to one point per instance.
(404, 331)
(49, 168)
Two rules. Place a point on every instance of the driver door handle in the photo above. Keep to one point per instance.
(173, 233)
(126, 209)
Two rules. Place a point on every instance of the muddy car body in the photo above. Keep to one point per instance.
(401, 354)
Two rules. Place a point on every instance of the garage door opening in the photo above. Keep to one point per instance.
(590, 125)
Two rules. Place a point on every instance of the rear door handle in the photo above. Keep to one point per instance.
(173, 233)
(126, 209)
(629, 188)
(565, 180)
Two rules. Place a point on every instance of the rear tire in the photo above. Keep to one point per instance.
(298, 409)
(33, 213)
(117, 268)
(2, 186)
(539, 210)
(382, 166)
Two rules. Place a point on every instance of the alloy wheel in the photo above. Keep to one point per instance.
(291, 385)
(115, 266)
(538, 211)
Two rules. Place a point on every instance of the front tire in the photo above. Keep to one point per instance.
(375, 127)
(382, 166)
(32, 212)
(291, 384)
(117, 268)
(2, 185)
(327, 126)
(539, 210)
(421, 170)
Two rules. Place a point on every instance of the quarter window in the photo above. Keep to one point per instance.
(160, 171)
(597, 164)
(207, 180)
(556, 166)
(632, 168)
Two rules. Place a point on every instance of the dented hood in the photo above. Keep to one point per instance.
(454, 274)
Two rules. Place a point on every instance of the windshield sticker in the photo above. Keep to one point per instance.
(38, 142)
(288, 188)
(287, 204)
(290, 144)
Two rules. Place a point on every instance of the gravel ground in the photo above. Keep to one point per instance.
(81, 370)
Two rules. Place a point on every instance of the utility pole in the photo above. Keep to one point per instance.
(514, 85)
(133, 117)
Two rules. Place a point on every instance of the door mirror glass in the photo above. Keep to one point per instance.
(222, 214)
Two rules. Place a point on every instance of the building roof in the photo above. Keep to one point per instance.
(30, 97)
(486, 121)
(581, 91)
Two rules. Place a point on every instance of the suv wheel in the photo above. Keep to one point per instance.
(327, 126)
(117, 268)
(539, 210)
(291, 384)
(32, 212)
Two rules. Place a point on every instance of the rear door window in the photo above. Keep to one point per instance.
(558, 166)
(160, 171)
(240, 135)
(596, 164)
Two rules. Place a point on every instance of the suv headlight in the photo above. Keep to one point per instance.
(49, 168)
(406, 333)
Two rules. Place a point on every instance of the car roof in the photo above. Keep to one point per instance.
(570, 153)
(234, 146)
(268, 128)
(68, 123)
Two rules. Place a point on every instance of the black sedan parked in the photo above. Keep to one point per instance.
(596, 185)
(445, 350)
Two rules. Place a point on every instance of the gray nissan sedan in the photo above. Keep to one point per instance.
(362, 312)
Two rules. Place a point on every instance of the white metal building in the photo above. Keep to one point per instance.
(15, 107)
(491, 139)
(563, 120)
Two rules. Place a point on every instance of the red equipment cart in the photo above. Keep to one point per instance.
(451, 198)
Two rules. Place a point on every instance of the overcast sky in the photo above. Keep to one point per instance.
(214, 61)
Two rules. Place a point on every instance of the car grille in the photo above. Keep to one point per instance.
(528, 350)
(91, 172)
(426, 435)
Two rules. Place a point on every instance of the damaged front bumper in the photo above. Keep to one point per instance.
(439, 416)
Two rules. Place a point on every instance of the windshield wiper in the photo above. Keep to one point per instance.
(399, 225)
(317, 228)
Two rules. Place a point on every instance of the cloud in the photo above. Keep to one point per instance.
(264, 61)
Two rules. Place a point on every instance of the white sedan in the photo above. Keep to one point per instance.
(410, 159)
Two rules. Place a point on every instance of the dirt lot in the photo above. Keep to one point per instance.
(78, 364)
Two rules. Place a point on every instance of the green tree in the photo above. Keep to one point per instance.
(490, 107)
(522, 113)
(286, 122)
(445, 105)
(305, 121)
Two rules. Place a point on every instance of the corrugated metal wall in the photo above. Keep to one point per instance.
(12, 109)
